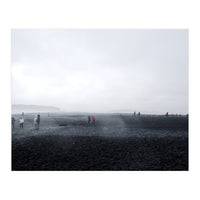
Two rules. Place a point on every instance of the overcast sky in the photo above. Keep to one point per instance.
(101, 70)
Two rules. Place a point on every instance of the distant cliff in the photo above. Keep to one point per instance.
(33, 108)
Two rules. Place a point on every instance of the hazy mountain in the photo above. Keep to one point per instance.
(33, 108)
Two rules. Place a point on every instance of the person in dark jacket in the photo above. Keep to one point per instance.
(38, 120)
(89, 119)
(13, 122)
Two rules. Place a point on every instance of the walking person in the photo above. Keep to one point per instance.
(38, 120)
(13, 122)
(21, 122)
(93, 119)
(35, 122)
(89, 119)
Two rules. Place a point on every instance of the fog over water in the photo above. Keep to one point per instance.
(101, 70)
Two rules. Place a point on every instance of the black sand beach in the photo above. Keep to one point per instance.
(115, 142)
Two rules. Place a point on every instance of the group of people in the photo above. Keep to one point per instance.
(134, 114)
(21, 121)
(91, 117)
(36, 120)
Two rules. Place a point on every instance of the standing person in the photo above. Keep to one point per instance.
(134, 114)
(89, 119)
(166, 114)
(38, 120)
(21, 122)
(13, 122)
(23, 114)
(35, 122)
(139, 114)
(93, 119)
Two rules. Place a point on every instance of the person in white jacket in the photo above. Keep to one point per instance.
(35, 122)
(21, 122)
